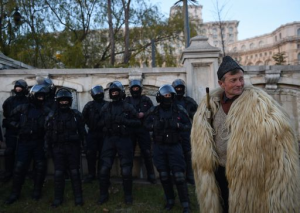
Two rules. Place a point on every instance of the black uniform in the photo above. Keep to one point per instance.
(117, 119)
(90, 113)
(167, 121)
(12, 132)
(191, 107)
(142, 104)
(30, 119)
(65, 134)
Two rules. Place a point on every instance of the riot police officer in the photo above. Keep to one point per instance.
(141, 135)
(20, 90)
(65, 134)
(117, 118)
(50, 97)
(191, 107)
(90, 113)
(167, 121)
(29, 119)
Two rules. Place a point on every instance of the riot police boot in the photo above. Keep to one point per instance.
(18, 180)
(59, 186)
(39, 178)
(56, 203)
(182, 190)
(127, 184)
(168, 190)
(76, 184)
(186, 207)
(128, 199)
(103, 199)
(151, 178)
(36, 194)
(189, 169)
(89, 178)
(12, 198)
(149, 167)
(78, 201)
(9, 163)
(169, 205)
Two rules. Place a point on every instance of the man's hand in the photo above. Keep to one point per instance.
(140, 115)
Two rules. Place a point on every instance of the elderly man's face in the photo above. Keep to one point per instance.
(233, 84)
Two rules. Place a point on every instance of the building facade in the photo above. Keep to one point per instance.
(261, 49)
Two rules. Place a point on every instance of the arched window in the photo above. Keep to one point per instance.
(260, 44)
(298, 32)
(251, 46)
(243, 47)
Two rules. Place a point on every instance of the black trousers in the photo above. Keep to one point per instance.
(223, 184)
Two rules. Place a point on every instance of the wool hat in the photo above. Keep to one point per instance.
(227, 65)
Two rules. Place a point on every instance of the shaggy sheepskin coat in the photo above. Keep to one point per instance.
(262, 165)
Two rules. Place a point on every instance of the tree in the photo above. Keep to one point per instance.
(279, 58)
(219, 13)
(186, 18)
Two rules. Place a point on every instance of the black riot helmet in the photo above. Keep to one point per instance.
(64, 94)
(52, 88)
(36, 92)
(21, 83)
(135, 83)
(179, 86)
(116, 86)
(97, 93)
(164, 90)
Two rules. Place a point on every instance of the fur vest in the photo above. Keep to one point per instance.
(262, 165)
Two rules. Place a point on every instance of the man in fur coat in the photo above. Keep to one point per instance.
(244, 150)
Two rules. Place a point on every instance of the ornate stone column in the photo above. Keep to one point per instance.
(200, 60)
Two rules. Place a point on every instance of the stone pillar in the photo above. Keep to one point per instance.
(201, 61)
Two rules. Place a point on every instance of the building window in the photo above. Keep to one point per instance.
(266, 53)
(298, 58)
(260, 54)
(230, 29)
(251, 46)
(260, 44)
(298, 32)
(298, 46)
(243, 47)
(275, 38)
(279, 35)
(214, 31)
(234, 49)
(215, 37)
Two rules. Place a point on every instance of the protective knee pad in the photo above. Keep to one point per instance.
(179, 178)
(126, 171)
(164, 176)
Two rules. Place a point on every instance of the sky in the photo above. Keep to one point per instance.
(256, 17)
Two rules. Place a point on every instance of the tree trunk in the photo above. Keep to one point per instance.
(126, 36)
(111, 33)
